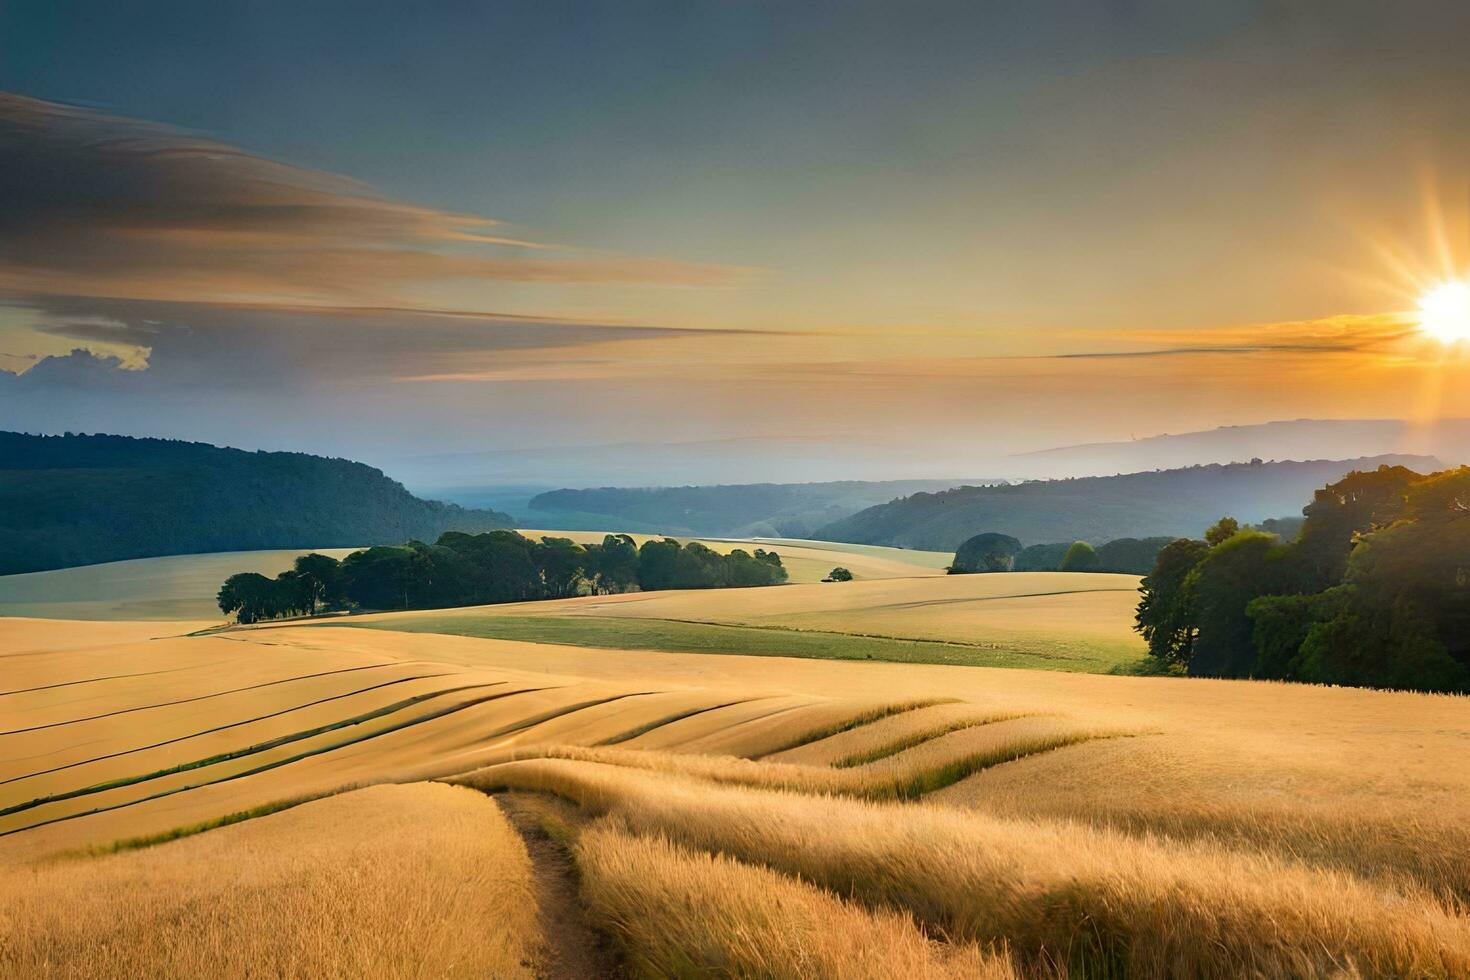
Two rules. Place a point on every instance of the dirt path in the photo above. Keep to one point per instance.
(575, 950)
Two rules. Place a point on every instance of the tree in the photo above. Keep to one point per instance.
(1285, 528)
(988, 552)
(1041, 557)
(1225, 529)
(1166, 611)
(497, 566)
(504, 565)
(1080, 557)
(1374, 591)
(292, 594)
(1341, 511)
(321, 575)
(1282, 624)
(657, 561)
(838, 574)
(1441, 497)
(697, 566)
(769, 557)
(247, 594)
(1132, 556)
(379, 577)
(743, 570)
(1235, 571)
(614, 564)
(740, 569)
(563, 565)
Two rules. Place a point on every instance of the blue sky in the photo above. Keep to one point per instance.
(745, 213)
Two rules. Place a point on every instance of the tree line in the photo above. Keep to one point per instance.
(1373, 591)
(83, 499)
(1176, 503)
(995, 552)
(462, 569)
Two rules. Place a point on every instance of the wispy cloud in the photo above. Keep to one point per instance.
(1379, 333)
(225, 344)
(93, 205)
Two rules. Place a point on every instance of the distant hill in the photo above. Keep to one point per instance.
(80, 499)
(779, 510)
(1175, 503)
(1445, 439)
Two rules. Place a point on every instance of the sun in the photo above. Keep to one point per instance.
(1444, 312)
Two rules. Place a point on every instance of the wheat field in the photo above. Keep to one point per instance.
(385, 881)
(1041, 620)
(719, 815)
(183, 587)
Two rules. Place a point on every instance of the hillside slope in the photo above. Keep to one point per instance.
(1445, 439)
(787, 510)
(716, 810)
(82, 499)
(1170, 502)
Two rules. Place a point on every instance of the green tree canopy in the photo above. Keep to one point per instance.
(1374, 591)
(321, 576)
(1234, 572)
(1166, 610)
(1080, 557)
(988, 552)
(1341, 511)
(1223, 531)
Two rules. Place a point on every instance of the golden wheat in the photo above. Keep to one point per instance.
(1058, 893)
(677, 912)
(404, 881)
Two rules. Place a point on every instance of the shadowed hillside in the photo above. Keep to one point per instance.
(80, 499)
(776, 510)
(1170, 502)
(1446, 439)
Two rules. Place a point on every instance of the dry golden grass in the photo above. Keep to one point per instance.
(1031, 608)
(680, 913)
(884, 732)
(904, 776)
(1059, 895)
(1149, 786)
(1238, 828)
(401, 881)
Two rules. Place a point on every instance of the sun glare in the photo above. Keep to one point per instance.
(1444, 312)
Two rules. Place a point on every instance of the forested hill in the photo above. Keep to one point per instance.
(82, 499)
(776, 510)
(1175, 503)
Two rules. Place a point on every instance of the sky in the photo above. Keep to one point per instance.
(503, 242)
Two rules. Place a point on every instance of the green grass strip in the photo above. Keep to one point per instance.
(919, 784)
(644, 729)
(258, 747)
(191, 700)
(220, 728)
(266, 767)
(856, 721)
(920, 737)
(189, 830)
(676, 636)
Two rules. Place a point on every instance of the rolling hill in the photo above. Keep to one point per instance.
(713, 815)
(185, 586)
(778, 510)
(1180, 503)
(83, 499)
(1445, 439)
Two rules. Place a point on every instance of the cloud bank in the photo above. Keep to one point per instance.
(101, 206)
